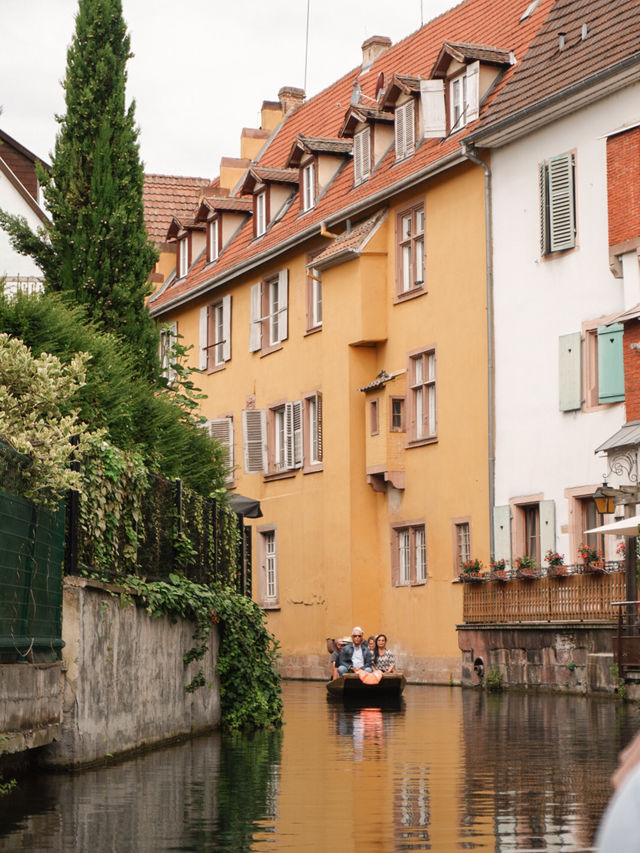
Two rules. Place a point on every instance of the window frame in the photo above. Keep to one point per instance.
(362, 155)
(268, 589)
(213, 240)
(417, 410)
(591, 361)
(403, 542)
(374, 416)
(393, 400)
(461, 537)
(285, 438)
(308, 186)
(312, 432)
(314, 297)
(215, 339)
(183, 256)
(416, 237)
(261, 212)
(168, 338)
(262, 323)
(577, 498)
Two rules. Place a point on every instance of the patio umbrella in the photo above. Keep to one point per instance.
(625, 527)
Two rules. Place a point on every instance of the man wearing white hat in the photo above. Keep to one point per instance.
(354, 655)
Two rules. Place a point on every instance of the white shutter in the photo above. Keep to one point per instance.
(409, 128)
(204, 326)
(547, 527)
(255, 331)
(570, 372)
(222, 430)
(254, 440)
(319, 426)
(283, 304)
(293, 434)
(434, 116)
(226, 327)
(399, 132)
(473, 92)
(502, 532)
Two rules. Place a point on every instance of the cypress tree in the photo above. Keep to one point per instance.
(97, 248)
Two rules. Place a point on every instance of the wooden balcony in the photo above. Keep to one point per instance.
(576, 597)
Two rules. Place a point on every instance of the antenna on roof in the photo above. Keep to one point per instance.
(421, 14)
(306, 48)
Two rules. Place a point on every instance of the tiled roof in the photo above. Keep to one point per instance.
(479, 22)
(348, 243)
(612, 35)
(228, 203)
(461, 51)
(319, 144)
(276, 175)
(166, 196)
(381, 379)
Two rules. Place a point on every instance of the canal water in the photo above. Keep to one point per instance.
(449, 770)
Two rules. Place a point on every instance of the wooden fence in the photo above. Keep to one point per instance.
(572, 598)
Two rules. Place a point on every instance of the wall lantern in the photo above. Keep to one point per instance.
(604, 502)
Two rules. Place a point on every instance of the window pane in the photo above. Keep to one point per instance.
(418, 371)
(273, 313)
(404, 555)
(279, 430)
(464, 550)
(419, 261)
(431, 415)
(407, 277)
(406, 226)
(420, 546)
(420, 221)
(271, 565)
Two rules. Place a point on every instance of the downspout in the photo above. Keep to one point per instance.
(470, 155)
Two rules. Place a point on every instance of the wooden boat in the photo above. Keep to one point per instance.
(350, 686)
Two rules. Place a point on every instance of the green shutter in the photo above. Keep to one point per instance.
(544, 209)
(610, 364)
(570, 372)
(562, 224)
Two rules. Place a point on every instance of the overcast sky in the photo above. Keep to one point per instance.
(200, 70)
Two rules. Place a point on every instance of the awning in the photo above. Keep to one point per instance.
(626, 436)
(625, 527)
(249, 507)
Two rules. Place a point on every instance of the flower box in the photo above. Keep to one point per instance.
(557, 571)
(498, 575)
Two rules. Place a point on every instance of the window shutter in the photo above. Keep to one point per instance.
(226, 327)
(319, 426)
(544, 208)
(561, 203)
(399, 132)
(365, 137)
(255, 331)
(293, 434)
(222, 430)
(254, 435)
(473, 93)
(434, 117)
(610, 364)
(357, 158)
(570, 372)
(409, 128)
(283, 301)
(502, 532)
(204, 326)
(547, 513)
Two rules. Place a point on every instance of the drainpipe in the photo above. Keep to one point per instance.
(470, 154)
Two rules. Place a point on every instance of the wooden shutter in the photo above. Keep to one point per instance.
(543, 184)
(255, 331)
(502, 532)
(547, 513)
(222, 430)
(283, 304)
(434, 117)
(319, 426)
(362, 155)
(409, 128)
(562, 231)
(226, 327)
(472, 106)
(399, 132)
(610, 364)
(570, 372)
(254, 440)
(293, 434)
(203, 342)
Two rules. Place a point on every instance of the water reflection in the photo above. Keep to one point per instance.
(449, 770)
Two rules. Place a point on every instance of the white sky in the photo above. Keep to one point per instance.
(201, 68)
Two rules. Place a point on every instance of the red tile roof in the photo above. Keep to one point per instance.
(478, 22)
(351, 242)
(166, 196)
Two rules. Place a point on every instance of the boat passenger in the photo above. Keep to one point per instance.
(383, 658)
(340, 643)
(371, 642)
(355, 655)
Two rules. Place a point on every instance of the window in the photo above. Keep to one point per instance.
(462, 544)
(313, 432)
(222, 430)
(362, 155)
(183, 256)
(397, 414)
(268, 591)
(168, 338)
(557, 204)
(284, 437)
(591, 366)
(409, 554)
(584, 515)
(410, 251)
(464, 97)
(422, 379)
(314, 299)
(532, 531)
(374, 425)
(405, 133)
(261, 213)
(269, 313)
(212, 238)
(215, 334)
(308, 186)
(534, 526)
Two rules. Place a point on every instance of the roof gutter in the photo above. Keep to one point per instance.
(516, 125)
(454, 159)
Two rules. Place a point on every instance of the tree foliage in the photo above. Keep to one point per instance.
(97, 247)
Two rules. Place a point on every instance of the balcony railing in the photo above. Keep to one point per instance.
(575, 597)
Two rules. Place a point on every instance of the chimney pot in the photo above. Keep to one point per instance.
(372, 48)
(290, 97)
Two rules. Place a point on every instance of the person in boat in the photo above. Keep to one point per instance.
(340, 643)
(383, 658)
(355, 655)
(371, 642)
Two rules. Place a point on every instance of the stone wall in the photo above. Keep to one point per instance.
(31, 703)
(574, 657)
(125, 677)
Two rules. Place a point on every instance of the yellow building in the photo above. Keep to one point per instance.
(333, 282)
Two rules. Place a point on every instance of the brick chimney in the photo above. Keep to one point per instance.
(290, 97)
(372, 48)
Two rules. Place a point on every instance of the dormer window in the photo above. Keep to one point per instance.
(308, 186)
(405, 130)
(213, 238)
(362, 155)
(464, 97)
(183, 256)
(261, 213)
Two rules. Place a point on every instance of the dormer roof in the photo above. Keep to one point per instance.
(350, 244)
(400, 84)
(359, 114)
(211, 205)
(268, 175)
(317, 145)
(465, 52)
(179, 226)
